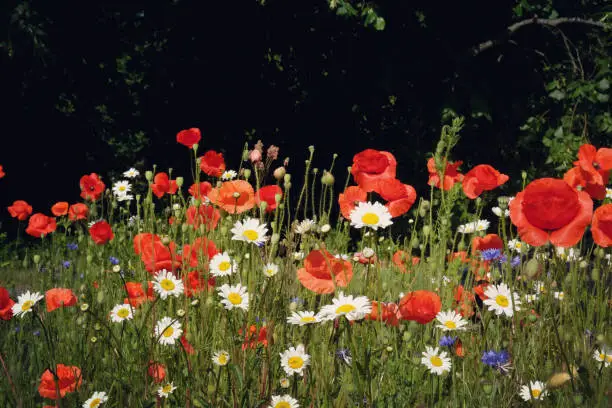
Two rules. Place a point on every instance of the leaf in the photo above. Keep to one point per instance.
(379, 24)
(557, 94)
(604, 84)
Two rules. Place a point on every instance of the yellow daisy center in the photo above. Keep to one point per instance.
(270, 271)
(234, 298)
(502, 300)
(608, 358)
(222, 359)
(167, 284)
(169, 331)
(251, 235)
(122, 188)
(224, 266)
(295, 362)
(27, 305)
(370, 219)
(345, 309)
(282, 404)
(95, 403)
(436, 361)
(535, 392)
(307, 319)
(123, 313)
(167, 388)
(450, 324)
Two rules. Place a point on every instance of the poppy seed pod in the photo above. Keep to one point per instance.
(532, 269)
(327, 178)
(311, 149)
(277, 198)
(195, 147)
(279, 173)
(263, 205)
(149, 175)
(179, 181)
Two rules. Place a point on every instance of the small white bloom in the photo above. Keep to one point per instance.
(221, 358)
(222, 265)
(25, 302)
(500, 300)
(498, 211)
(166, 284)
(285, 401)
(234, 296)
(303, 318)
(294, 360)
(298, 256)
(165, 390)
(352, 308)
(535, 390)
(368, 252)
(608, 193)
(450, 320)
(325, 228)
(372, 215)
(475, 226)
(168, 331)
(121, 312)
(517, 246)
(125, 197)
(568, 254)
(603, 356)
(436, 362)
(97, 399)
(539, 287)
(131, 173)
(531, 298)
(304, 226)
(121, 188)
(250, 230)
(228, 175)
(270, 269)
(344, 257)
(559, 295)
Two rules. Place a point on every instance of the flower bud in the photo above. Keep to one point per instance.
(279, 173)
(149, 175)
(532, 269)
(180, 313)
(277, 198)
(246, 173)
(325, 228)
(263, 205)
(426, 230)
(36, 259)
(311, 149)
(327, 178)
(180, 181)
(195, 147)
(275, 238)
(84, 307)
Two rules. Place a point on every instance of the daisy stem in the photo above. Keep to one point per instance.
(217, 381)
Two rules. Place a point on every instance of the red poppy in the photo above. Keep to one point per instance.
(101, 232)
(157, 371)
(200, 252)
(359, 257)
(370, 166)
(421, 306)
(212, 163)
(577, 177)
(549, 209)
(157, 256)
(78, 211)
(194, 283)
(594, 161)
(252, 338)
(479, 290)
(349, 199)
(459, 349)
(20, 210)
(403, 260)
(163, 185)
(235, 197)
(482, 178)
(451, 175)
(144, 239)
(60, 208)
(268, 194)
(59, 297)
(204, 214)
(464, 301)
(400, 196)
(91, 187)
(389, 313)
(601, 226)
(6, 304)
(69, 380)
(137, 295)
(2, 173)
(199, 190)
(39, 225)
(489, 241)
(189, 137)
(186, 345)
(322, 272)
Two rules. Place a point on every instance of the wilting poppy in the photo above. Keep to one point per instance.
(6, 304)
(163, 185)
(101, 232)
(199, 253)
(69, 380)
(212, 163)
(389, 313)
(594, 161)
(482, 178)
(60, 208)
(91, 187)
(322, 272)
(348, 200)
(137, 295)
(577, 177)
(370, 166)
(404, 261)
(78, 211)
(399, 196)
(20, 210)
(268, 194)
(189, 137)
(157, 371)
(235, 197)
(201, 189)
(489, 241)
(549, 209)
(204, 214)
(601, 226)
(59, 297)
(451, 175)
(39, 225)
(421, 306)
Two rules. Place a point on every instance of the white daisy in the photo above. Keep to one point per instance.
(559, 295)
(126, 197)
(372, 215)
(131, 173)
(304, 226)
(250, 230)
(450, 320)
(475, 226)
(437, 363)
(121, 312)
(608, 193)
(499, 212)
(294, 360)
(500, 300)
(368, 252)
(168, 331)
(166, 284)
(531, 298)
(270, 269)
(234, 296)
(97, 399)
(603, 356)
(344, 257)
(303, 318)
(539, 287)
(517, 246)
(535, 390)
(352, 308)
(222, 265)
(298, 256)
(121, 188)
(568, 254)
(285, 401)
(25, 302)
(221, 358)
(228, 175)
(166, 390)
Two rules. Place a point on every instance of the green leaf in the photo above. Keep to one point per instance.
(379, 24)
(557, 94)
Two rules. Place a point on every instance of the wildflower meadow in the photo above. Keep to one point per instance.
(243, 285)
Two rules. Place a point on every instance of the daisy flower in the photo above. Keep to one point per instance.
(517, 246)
(352, 308)
(166, 390)
(294, 360)
(168, 331)
(250, 230)
(499, 212)
(539, 287)
(222, 265)
(303, 318)
(270, 269)
(121, 188)
(121, 312)
(568, 254)
(372, 215)
(234, 296)
(559, 295)
(125, 197)
(535, 390)
(166, 284)
(228, 175)
(25, 302)
(450, 320)
(221, 358)
(603, 356)
(131, 173)
(97, 399)
(437, 363)
(475, 226)
(608, 193)
(298, 256)
(304, 226)
(500, 299)
(285, 401)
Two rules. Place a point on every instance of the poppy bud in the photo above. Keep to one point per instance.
(89, 259)
(292, 306)
(185, 227)
(532, 269)
(246, 173)
(279, 173)
(166, 240)
(36, 259)
(179, 181)
(287, 185)
(599, 252)
(315, 171)
(149, 175)
(426, 230)
(414, 243)
(325, 228)
(275, 238)
(595, 274)
(195, 147)
(487, 387)
(327, 178)
(311, 149)
(263, 205)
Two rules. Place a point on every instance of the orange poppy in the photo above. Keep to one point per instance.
(59, 297)
(212, 163)
(400, 196)
(489, 241)
(464, 301)
(163, 185)
(268, 194)
(20, 210)
(371, 166)
(39, 225)
(577, 177)
(235, 197)
(593, 161)
(421, 306)
(60, 208)
(349, 199)
(551, 210)
(200, 252)
(69, 380)
(204, 214)
(252, 338)
(322, 272)
(194, 283)
(402, 260)
(482, 178)
(6, 304)
(189, 137)
(78, 211)
(199, 190)
(601, 226)
(92, 187)
(451, 175)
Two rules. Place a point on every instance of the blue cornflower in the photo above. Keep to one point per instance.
(344, 355)
(490, 254)
(502, 259)
(113, 260)
(516, 261)
(72, 246)
(447, 341)
(66, 264)
(497, 359)
(297, 300)
(36, 333)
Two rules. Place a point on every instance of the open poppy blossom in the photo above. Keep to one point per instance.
(69, 380)
(601, 226)
(594, 161)
(157, 256)
(421, 306)
(389, 313)
(137, 295)
(349, 198)
(60, 208)
(235, 197)
(6, 304)
(204, 214)
(254, 338)
(101, 232)
(157, 371)
(78, 211)
(451, 175)
(59, 297)
(482, 178)
(199, 253)
(551, 210)
(144, 239)
(20, 210)
(404, 261)
(464, 301)
(200, 190)
(399, 196)
(322, 272)
(268, 194)
(163, 185)
(189, 137)
(212, 163)
(39, 225)
(489, 241)
(92, 187)
(579, 178)
(194, 283)
(371, 166)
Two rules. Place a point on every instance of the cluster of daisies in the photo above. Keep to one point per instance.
(123, 188)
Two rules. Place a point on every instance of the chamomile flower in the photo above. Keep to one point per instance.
(517, 246)
(603, 356)
(559, 295)
(298, 256)
(500, 213)
(372, 215)
(222, 265)
(500, 300)
(436, 362)
(97, 399)
(294, 360)
(166, 284)
(165, 390)
(285, 401)
(608, 193)
(221, 358)
(25, 302)
(121, 312)
(539, 287)
(531, 298)
(535, 390)
(168, 331)
(121, 188)
(304, 226)
(475, 226)
(270, 269)
(125, 197)
(228, 175)
(131, 173)
(450, 320)
(250, 230)
(234, 296)
(352, 308)
(303, 318)
(568, 254)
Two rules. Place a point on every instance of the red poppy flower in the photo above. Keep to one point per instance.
(400, 196)
(370, 166)
(482, 178)
(39, 225)
(403, 260)
(422, 306)
(189, 137)
(20, 210)
(212, 163)
(199, 190)
(268, 194)
(163, 185)
(459, 349)
(322, 272)
(252, 338)
(60, 208)
(349, 199)
(194, 283)
(389, 313)
(91, 187)
(549, 209)
(157, 371)
(59, 297)
(186, 345)
(479, 290)
(489, 241)
(579, 178)
(144, 239)
(157, 256)
(451, 175)
(464, 301)
(2, 173)
(204, 214)
(199, 253)
(69, 380)
(78, 211)
(594, 161)
(101, 232)
(6, 304)
(137, 295)
(359, 257)
(601, 226)
(235, 197)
